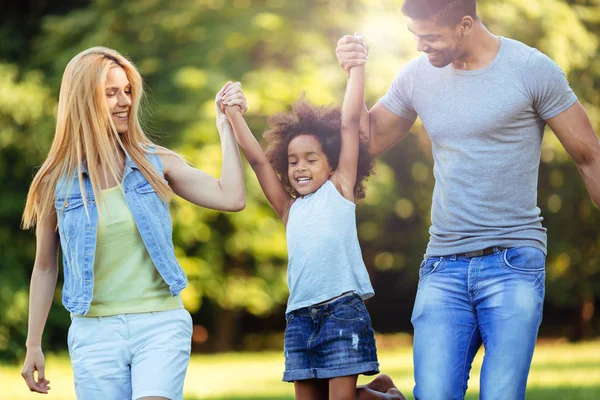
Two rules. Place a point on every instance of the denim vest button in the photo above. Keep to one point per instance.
(313, 311)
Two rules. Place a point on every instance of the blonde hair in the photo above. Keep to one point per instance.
(85, 132)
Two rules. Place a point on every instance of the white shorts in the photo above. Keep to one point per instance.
(129, 356)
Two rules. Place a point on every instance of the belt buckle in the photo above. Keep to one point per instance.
(476, 253)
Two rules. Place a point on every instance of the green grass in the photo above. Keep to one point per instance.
(559, 371)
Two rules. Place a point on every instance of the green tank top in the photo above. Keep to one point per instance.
(125, 279)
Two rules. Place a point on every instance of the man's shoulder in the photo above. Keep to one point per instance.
(526, 56)
(532, 62)
(517, 51)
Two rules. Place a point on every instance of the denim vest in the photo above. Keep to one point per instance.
(77, 232)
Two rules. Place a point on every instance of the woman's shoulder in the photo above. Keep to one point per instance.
(162, 158)
(166, 156)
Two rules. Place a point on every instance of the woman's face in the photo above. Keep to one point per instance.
(118, 97)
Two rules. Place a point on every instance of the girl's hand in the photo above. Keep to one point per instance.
(233, 96)
(34, 361)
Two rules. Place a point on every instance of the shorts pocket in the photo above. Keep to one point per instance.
(188, 321)
(349, 312)
(70, 335)
(289, 317)
(524, 259)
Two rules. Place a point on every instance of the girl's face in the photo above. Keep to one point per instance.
(118, 97)
(308, 167)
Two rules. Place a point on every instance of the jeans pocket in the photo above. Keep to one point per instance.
(429, 266)
(524, 259)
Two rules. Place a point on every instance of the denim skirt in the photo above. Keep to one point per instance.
(330, 340)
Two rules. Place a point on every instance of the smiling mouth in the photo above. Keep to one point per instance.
(303, 180)
(121, 115)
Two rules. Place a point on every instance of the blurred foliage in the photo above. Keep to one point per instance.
(186, 50)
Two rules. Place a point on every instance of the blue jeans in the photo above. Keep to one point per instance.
(463, 302)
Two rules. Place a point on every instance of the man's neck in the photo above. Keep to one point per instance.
(480, 49)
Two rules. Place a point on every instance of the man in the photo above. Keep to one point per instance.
(484, 101)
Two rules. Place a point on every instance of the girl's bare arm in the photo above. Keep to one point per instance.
(344, 177)
(280, 200)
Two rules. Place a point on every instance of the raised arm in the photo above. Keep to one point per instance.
(41, 294)
(575, 132)
(226, 193)
(344, 177)
(379, 126)
(280, 200)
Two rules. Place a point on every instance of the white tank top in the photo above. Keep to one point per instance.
(325, 259)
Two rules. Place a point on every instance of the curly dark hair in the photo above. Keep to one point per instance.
(325, 124)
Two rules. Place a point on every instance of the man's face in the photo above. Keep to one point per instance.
(442, 43)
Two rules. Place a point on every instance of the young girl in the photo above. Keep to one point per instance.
(312, 174)
(106, 185)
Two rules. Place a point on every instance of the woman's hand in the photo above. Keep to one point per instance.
(34, 361)
(222, 120)
(234, 99)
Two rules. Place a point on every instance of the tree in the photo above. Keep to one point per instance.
(279, 50)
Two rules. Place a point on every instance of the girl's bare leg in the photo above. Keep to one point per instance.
(343, 388)
(311, 389)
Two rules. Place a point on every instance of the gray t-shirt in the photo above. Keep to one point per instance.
(486, 129)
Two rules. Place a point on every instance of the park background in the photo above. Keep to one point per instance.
(236, 262)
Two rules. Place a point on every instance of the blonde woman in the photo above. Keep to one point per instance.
(106, 187)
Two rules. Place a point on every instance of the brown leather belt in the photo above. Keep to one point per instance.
(479, 253)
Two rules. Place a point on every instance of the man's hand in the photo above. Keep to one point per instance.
(351, 51)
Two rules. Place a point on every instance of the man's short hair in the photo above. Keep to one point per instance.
(446, 12)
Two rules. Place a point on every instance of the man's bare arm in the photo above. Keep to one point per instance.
(384, 129)
(574, 130)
